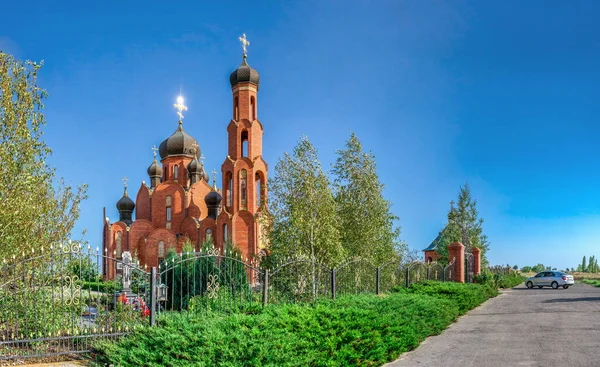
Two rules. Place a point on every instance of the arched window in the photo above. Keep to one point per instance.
(119, 245)
(161, 251)
(243, 189)
(429, 259)
(258, 187)
(208, 234)
(229, 189)
(236, 109)
(253, 108)
(244, 143)
(169, 212)
(175, 172)
(225, 233)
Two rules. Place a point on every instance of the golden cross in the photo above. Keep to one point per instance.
(195, 149)
(154, 150)
(201, 159)
(245, 43)
(214, 172)
(180, 107)
(125, 182)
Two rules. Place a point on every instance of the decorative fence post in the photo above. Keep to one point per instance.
(265, 290)
(332, 283)
(153, 287)
(407, 276)
(428, 273)
(377, 277)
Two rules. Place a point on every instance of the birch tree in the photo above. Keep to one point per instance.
(36, 208)
(367, 224)
(305, 222)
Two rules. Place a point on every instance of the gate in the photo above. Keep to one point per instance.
(207, 281)
(469, 265)
(53, 303)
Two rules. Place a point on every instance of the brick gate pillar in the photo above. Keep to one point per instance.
(476, 260)
(456, 251)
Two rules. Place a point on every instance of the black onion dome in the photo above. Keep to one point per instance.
(125, 204)
(155, 169)
(195, 167)
(180, 143)
(244, 74)
(213, 198)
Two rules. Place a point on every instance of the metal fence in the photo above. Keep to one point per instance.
(53, 303)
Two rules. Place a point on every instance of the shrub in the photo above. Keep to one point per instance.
(363, 330)
(466, 296)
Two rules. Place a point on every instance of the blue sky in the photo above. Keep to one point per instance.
(500, 94)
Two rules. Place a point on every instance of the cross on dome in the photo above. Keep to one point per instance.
(180, 107)
(125, 179)
(154, 150)
(245, 43)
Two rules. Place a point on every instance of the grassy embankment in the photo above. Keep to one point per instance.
(362, 330)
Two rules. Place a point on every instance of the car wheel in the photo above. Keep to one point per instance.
(554, 285)
(565, 286)
(540, 286)
(529, 285)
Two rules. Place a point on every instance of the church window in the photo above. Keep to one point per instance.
(208, 234)
(253, 108)
(161, 252)
(119, 245)
(225, 233)
(169, 213)
(243, 189)
(236, 109)
(244, 143)
(175, 172)
(229, 189)
(258, 185)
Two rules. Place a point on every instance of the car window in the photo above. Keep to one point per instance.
(549, 274)
(539, 275)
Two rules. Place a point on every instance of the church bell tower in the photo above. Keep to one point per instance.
(244, 172)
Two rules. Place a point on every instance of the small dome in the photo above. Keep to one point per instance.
(180, 143)
(213, 198)
(155, 169)
(194, 167)
(125, 204)
(244, 74)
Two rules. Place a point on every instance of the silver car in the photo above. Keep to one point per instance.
(552, 279)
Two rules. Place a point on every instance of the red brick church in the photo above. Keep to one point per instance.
(181, 205)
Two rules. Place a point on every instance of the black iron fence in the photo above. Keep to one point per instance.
(53, 302)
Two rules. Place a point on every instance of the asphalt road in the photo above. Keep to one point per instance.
(521, 327)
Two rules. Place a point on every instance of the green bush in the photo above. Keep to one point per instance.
(465, 296)
(361, 330)
(499, 280)
(595, 283)
(104, 287)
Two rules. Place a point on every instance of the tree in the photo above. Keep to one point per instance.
(36, 208)
(366, 222)
(305, 222)
(583, 265)
(515, 267)
(464, 225)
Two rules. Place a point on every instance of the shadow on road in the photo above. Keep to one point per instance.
(581, 299)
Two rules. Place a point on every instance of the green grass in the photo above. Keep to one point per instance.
(594, 282)
(364, 330)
